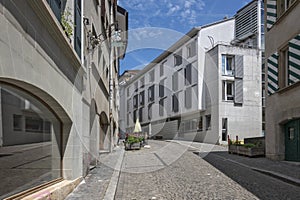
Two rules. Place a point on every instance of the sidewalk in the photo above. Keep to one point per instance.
(283, 170)
(102, 181)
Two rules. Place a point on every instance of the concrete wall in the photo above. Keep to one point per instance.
(283, 105)
(245, 120)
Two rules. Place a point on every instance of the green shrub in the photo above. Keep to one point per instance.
(133, 139)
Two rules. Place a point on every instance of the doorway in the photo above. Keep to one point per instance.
(292, 143)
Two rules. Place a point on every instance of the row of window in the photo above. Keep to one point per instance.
(283, 5)
(196, 124)
(31, 124)
(191, 51)
(139, 103)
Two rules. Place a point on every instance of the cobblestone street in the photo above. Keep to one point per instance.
(186, 170)
(172, 171)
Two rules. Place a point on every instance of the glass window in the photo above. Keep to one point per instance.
(150, 111)
(161, 107)
(178, 58)
(175, 103)
(200, 123)
(141, 114)
(135, 101)
(18, 124)
(142, 98)
(208, 122)
(188, 97)
(228, 91)
(161, 68)
(142, 82)
(191, 49)
(152, 76)
(175, 81)
(161, 88)
(228, 65)
(188, 74)
(27, 122)
(151, 93)
(224, 129)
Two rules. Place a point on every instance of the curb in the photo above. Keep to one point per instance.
(112, 187)
(279, 176)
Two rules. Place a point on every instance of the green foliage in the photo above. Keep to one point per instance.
(133, 139)
(66, 22)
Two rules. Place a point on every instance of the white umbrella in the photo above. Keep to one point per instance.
(137, 127)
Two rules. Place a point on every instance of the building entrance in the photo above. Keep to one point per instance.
(292, 141)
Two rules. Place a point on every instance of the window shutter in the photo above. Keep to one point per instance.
(238, 98)
(239, 66)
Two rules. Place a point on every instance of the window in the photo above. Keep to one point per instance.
(161, 88)
(228, 91)
(134, 115)
(188, 97)
(28, 121)
(161, 68)
(175, 103)
(200, 124)
(18, 124)
(188, 74)
(135, 101)
(191, 49)
(208, 122)
(142, 82)
(283, 5)
(228, 65)
(47, 127)
(141, 114)
(77, 28)
(34, 124)
(151, 76)
(142, 98)
(136, 86)
(284, 68)
(178, 58)
(151, 93)
(128, 91)
(150, 111)
(175, 81)
(161, 107)
(224, 129)
(56, 8)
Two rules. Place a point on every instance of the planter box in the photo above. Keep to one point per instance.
(251, 152)
(132, 146)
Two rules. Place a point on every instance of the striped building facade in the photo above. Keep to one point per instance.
(282, 52)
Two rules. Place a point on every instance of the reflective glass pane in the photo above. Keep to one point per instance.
(29, 138)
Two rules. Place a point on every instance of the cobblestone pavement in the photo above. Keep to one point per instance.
(96, 183)
(263, 186)
(172, 171)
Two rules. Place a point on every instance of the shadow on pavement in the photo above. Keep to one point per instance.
(239, 169)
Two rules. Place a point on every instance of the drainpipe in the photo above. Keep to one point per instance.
(111, 61)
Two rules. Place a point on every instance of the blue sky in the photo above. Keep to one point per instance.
(154, 25)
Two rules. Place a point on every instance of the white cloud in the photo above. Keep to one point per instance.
(147, 11)
(173, 10)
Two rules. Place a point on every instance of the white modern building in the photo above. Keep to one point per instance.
(202, 88)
